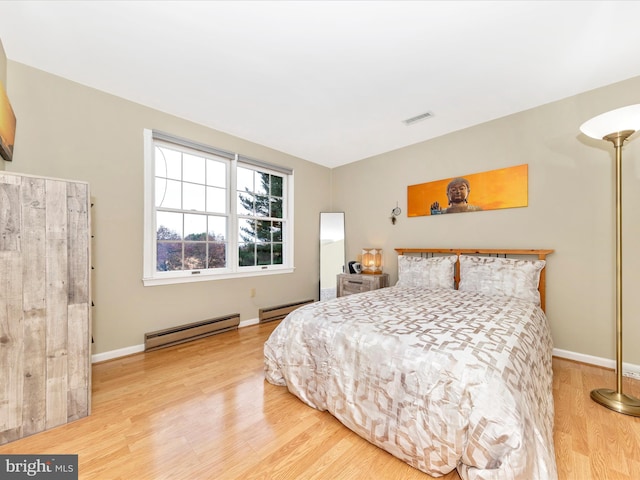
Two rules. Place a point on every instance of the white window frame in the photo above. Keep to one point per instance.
(153, 277)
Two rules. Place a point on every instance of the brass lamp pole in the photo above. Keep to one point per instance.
(616, 126)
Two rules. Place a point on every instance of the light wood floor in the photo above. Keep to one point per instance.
(203, 411)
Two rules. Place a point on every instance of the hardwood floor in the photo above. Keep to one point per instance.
(203, 411)
(591, 441)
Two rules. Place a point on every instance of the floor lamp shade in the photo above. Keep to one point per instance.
(616, 126)
(619, 120)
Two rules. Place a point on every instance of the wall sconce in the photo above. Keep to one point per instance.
(372, 261)
(616, 126)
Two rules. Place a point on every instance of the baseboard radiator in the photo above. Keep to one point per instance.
(189, 332)
(280, 311)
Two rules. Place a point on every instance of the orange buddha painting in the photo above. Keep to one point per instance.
(492, 190)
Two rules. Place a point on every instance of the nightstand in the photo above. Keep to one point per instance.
(349, 283)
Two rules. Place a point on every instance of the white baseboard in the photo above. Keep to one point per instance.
(248, 323)
(123, 352)
(628, 369)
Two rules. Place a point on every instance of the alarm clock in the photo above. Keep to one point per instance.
(355, 267)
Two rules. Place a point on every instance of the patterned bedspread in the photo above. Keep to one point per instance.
(441, 379)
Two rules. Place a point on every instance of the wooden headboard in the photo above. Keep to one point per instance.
(541, 254)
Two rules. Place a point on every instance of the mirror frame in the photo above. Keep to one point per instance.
(332, 253)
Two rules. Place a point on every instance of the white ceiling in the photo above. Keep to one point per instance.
(330, 81)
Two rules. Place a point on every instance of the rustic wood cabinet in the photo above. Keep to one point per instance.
(349, 283)
(45, 305)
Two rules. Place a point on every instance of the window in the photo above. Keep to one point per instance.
(213, 214)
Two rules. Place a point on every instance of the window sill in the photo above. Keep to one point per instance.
(153, 281)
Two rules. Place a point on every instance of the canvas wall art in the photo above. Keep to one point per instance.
(491, 190)
(7, 126)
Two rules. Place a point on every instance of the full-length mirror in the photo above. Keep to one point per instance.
(332, 252)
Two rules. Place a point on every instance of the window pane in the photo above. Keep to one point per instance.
(246, 255)
(216, 200)
(246, 230)
(193, 169)
(264, 254)
(217, 255)
(245, 180)
(245, 204)
(193, 197)
(160, 191)
(168, 194)
(277, 254)
(173, 163)
(216, 174)
(195, 255)
(169, 257)
(217, 228)
(195, 227)
(169, 226)
(276, 186)
(263, 231)
(262, 183)
(276, 231)
(276, 208)
(262, 206)
(160, 162)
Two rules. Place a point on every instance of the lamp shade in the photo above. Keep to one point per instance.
(372, 261)
(618, 120)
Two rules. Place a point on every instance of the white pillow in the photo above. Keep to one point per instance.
(434, 272)
(501, 276)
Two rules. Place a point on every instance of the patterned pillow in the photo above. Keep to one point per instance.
(501, 276)
(434, 272)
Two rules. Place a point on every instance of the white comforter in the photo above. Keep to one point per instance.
(441, 379)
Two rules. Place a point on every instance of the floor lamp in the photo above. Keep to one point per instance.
(616, 126)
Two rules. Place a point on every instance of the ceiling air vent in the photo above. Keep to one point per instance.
(417, 118)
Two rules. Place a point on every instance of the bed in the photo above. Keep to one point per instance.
(448, 369)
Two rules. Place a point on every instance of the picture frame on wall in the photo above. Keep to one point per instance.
(491, 190)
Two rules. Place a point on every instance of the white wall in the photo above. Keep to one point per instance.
(570, 209)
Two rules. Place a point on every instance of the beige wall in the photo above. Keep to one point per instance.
(3, 65)
(70, 131)
(570, 209)
(67, 130)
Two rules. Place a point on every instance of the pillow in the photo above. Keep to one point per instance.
(434, 272)
(501, 276)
